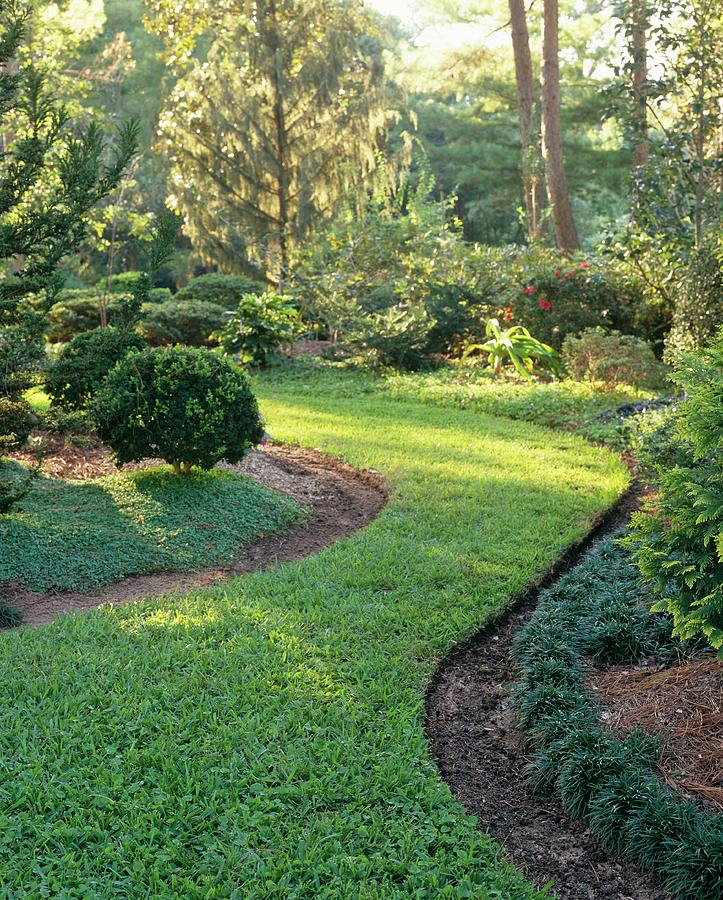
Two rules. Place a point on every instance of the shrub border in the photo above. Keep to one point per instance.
(605, 780)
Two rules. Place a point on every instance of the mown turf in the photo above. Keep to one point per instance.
(264, 739)
(572, 405)
(81, 534)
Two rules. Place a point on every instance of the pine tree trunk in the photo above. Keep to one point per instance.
(281, 141)
(638, 19)
(532, 182)
(565, 231)
(638, 13)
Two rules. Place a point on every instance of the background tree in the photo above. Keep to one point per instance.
(673, 238)
(283, 116)
(51, 177)
(562, 218)
(461, 78)
(533, 184)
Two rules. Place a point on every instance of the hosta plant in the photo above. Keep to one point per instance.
(517, 346)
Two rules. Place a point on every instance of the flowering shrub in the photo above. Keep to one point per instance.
(556, 298)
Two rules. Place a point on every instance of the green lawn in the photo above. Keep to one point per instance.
(81, 534)
(264, 738)
(572, 405)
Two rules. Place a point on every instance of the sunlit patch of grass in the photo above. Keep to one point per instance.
(266, 741)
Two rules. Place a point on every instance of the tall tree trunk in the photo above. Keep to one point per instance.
(565, 231)
(639, 17)
(281, 140)
(532, 183)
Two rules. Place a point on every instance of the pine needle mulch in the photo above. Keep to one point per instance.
(685, 705)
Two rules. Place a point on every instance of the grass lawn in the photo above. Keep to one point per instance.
(81, 534)
(264, 738)
(572, 405)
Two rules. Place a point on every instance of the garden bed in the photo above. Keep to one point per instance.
(505, 774)
(336, 500)
(684, 704)
(474, 736)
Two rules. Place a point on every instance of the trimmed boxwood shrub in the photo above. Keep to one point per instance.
(188, 406)
(594, 611)
(176, 321)
(82, 364)
(225, 291)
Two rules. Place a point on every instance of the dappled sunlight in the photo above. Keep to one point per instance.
(245, 712)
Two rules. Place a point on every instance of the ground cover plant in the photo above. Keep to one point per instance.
(77, 535)
(594, 613)
(569, 405)
(264, 739)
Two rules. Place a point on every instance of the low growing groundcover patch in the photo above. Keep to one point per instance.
(595, 612)
(77, 535)
(263, 739)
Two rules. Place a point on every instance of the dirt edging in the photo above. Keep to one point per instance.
(473, 737)
(340, 500)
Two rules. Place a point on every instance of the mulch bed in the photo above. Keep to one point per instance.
(685, 705)
(340, 499)
(472, 731)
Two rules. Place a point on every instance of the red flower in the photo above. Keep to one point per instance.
(528, 290)
(508, 314)
(545, 304)
(558, 272)
(584, 265)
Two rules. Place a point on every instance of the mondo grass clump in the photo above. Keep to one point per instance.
(594, 613)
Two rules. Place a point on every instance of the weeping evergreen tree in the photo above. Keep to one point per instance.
(50, 177)
(286, 113)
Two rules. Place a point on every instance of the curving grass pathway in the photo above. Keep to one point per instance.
(264, 739)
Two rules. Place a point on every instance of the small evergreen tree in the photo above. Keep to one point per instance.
(52, 175)
(266, 132)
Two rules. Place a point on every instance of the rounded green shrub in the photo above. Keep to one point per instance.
(83, 363)
(186, 405)
(611, 358)
(14, 423)
(260, 325)
(225, 291)
(176, 321)
(79, 310)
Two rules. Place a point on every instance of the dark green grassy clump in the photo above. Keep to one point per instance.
(9, 616)
(264, 738)
(82, 534)
(595, 611)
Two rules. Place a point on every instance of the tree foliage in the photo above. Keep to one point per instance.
(679, 548)
(285, 113)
